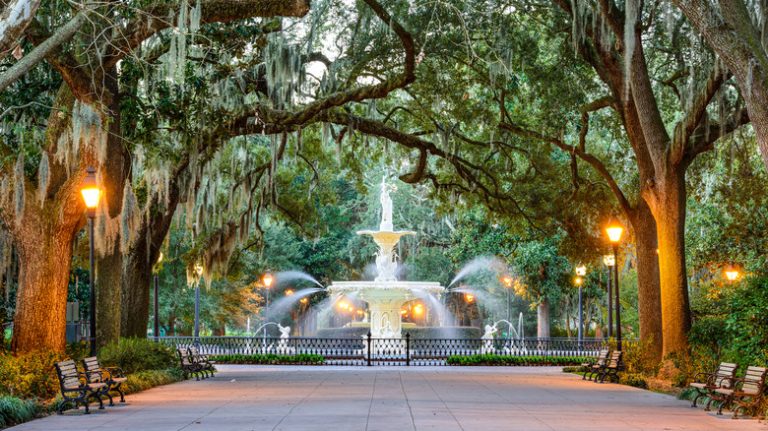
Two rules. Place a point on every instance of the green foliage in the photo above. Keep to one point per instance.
(31, 375)
(137, 354)
(633, 379)
(489, 359)
(146, 379)
(270, 359)
(14, 410)
(732, 324)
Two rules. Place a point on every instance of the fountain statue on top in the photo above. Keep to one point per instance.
(386, 294)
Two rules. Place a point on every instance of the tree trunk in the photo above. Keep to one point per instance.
(109, 267)
(137, 280)
(542, 315)
(45, 255)
(648, 284)
(108, 276)
(669, 212)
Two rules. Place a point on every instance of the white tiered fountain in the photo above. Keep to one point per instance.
(386, 294)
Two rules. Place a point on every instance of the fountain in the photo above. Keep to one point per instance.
(385, 295)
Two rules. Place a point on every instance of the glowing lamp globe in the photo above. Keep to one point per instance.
(267, 279)
(199, 269)
(90, 191)
(731, 273)
(581, 270)
(507, 280)
(614, 231)
(578, 281)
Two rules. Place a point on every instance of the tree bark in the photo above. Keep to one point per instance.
(14, 19)
(114, 174)
(45, 253)
(137, 278)
(542, 316)
(108, 297)
(648, 284)
(669, 211)
(44, 235)
(144, 252)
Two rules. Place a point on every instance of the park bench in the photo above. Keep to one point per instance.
(591, 368)
(207, 366)
(75, 388)
(705, 383)
(114, 377)
(746, 392)
(188, 366)
(611, 368)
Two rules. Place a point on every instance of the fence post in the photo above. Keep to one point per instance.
(369, 348)
(408, 349)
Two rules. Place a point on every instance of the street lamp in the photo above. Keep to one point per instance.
(267, 279)
(507, 280)
(731, 273)
(156, 326)
(581, 271)
(91, 194)
(614, 231)
(199, 272)
(609, 260)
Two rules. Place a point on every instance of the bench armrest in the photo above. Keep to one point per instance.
(704, 378)
(115, 371)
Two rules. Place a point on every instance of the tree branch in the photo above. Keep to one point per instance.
(589, 158)
(155, 18)
(61, 36)
(685, 128)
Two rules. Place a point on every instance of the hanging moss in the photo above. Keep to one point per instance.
(43, 178)
(19, 187)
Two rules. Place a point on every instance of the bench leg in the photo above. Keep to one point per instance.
(96, 395)
(699, 394)
(60, 409)
(120, 391)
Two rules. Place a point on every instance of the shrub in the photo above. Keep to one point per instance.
(144, 380)
(137, 354)
(30, 375)
(271, 359)
(15, 411)
(494, 360)
(633, 379)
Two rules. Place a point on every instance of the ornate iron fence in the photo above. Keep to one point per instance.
(389, 351)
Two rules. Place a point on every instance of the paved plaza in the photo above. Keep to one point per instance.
(244, 398)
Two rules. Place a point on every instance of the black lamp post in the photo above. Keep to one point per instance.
(614, 231)
(156, 325)
(199, 272)
(91, 194)
(610, 260)
(581, 271)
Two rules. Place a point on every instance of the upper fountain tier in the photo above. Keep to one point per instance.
(386, 237)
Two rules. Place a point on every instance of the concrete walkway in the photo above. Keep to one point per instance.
(244, 398)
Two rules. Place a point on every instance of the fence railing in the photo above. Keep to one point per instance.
(388, 351)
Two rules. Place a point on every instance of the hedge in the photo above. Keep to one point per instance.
(495, 360)
(269, 359)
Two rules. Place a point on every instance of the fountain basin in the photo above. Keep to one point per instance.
(385, 298)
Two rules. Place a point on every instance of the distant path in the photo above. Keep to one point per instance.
(328, 398)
